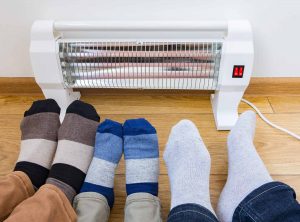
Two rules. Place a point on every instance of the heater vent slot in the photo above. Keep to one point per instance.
(145, 65)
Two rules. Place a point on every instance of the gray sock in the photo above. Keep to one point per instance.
(188, 163)
(246, 171)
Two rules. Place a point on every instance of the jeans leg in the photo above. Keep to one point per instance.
(272, 202)
(191, 213)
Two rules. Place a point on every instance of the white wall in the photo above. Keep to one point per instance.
(276, 25)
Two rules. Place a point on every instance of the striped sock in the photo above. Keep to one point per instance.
(76, 139)
(107, 154)
(141, 155)
(39, 140)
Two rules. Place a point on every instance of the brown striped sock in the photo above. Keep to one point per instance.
(39, 140)
(76, 139)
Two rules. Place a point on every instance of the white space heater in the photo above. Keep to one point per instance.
(206, 55)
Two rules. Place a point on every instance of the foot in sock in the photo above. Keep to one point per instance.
(246, 170)
(107, 154)
(76, 139)
(141, 157)
(188, 163)
(39, 140)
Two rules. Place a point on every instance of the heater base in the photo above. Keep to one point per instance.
(225, 116)
(64, 97)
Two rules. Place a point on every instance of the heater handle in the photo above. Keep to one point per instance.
(215, 26)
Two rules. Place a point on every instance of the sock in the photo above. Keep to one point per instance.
(39, 140)
(246, 171)
(188, 164)
(107, 154)
(76, 140)
(141, 157)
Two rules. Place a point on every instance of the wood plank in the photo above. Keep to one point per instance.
(285, 104)
(132, 104)
(274, 86)
(18, 86)
(290, 121)
(17, 104)
(163, 104)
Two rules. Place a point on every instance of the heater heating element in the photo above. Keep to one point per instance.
(145, 65)
(191, 55)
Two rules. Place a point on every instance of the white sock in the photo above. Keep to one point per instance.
(246, 171)
(188, 163)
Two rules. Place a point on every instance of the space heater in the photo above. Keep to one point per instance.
(190, 55)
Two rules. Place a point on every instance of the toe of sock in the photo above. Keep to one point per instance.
(83, 109)
(184, 132)
(184, 124)
(184, 129)
(110, 126)
(41, 106)
(140, 139)
(245, 125)
(140, 126)
(248, 115)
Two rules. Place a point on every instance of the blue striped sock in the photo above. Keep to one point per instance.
(141, 155)
(107, 154)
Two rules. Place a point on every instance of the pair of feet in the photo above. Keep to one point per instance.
(69, 156)
(137, 139)
(54, 153)
(188, 162)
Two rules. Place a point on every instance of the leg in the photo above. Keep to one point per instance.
(74, 152)
(250, 190)
(39, 130)
(97, 195)
(188, 163)
(15, 188)
(48, 204)
(142, 169)
(76, 140)
(225, 108)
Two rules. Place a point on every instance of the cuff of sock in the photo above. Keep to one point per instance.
(150, 188)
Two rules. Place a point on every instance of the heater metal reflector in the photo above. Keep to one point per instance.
(145, 65)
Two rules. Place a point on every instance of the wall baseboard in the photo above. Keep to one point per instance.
(258, 86)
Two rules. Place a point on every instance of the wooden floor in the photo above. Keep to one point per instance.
(278, 99)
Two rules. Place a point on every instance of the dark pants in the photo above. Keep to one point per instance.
(272, 202)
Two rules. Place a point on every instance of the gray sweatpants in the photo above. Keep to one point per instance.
(92, 206)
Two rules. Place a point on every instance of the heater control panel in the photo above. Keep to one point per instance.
(238, 71)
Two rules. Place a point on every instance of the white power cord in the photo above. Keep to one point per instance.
(269, 122)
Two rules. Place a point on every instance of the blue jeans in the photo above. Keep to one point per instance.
(272, 202)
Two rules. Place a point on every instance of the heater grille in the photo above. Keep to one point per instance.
(145, 65)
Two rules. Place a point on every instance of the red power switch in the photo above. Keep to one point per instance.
(238, 71)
